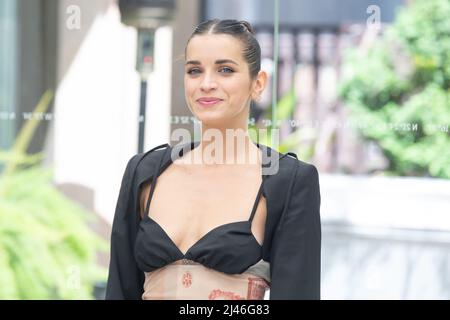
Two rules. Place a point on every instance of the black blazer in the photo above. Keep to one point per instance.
(292, 239)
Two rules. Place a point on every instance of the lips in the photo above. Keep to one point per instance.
(208, 101)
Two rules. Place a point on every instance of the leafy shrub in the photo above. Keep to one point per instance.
(47, 250)
(398, 90)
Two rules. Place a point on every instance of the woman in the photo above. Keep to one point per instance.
(188, 229)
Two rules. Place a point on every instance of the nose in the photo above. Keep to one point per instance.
(208, 82)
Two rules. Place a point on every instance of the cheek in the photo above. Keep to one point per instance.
(238, 86)
(189, 87)
(237, 92)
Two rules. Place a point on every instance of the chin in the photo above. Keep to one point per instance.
(211, 120)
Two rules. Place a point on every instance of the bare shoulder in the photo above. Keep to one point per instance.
(175, 172)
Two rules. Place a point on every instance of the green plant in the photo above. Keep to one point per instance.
(398, 90)
(296, 141)
(47, 251)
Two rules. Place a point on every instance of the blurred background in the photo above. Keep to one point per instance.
(359, 88)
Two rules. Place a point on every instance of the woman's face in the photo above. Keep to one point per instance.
(217, 82)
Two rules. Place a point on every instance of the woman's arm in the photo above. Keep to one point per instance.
(296, 247)
(125, 280)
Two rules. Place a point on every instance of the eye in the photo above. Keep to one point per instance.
(193, 71)
(227, 70)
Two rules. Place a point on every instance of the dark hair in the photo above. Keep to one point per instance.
(241, 30)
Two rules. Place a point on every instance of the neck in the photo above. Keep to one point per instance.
(221, 146)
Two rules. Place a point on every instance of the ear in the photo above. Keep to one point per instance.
(259, 84)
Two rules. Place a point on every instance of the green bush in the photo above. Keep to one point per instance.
(398, 90)
(47, 250)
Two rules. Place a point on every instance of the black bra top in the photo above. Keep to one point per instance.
(230, 248)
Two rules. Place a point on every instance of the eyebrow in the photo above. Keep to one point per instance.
(220, 61)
